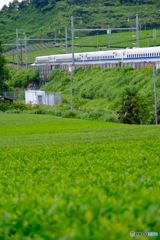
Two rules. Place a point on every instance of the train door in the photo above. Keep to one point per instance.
(123, 55)
(115, 54)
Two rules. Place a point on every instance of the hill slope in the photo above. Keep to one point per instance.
(42, 18)
(102, 89)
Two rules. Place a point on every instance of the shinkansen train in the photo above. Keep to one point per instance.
(115, 56)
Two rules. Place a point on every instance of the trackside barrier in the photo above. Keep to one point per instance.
(46, 69)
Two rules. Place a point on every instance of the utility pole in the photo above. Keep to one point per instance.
(25, 49)
(73, 63)
(13, 54)
(152, 64)
(72, 30)
(66, 40)
(71, 92)
(17, 50)
(72, 66)
(21, 53)
(155, 99)
(137, 30)
(154, 36)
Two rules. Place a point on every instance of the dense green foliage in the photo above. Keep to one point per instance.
(135, 108)
(39, 18)
(4, 72)
(74, 179)
(23, 77)
(103, 89)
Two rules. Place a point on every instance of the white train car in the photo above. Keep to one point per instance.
(115, 56)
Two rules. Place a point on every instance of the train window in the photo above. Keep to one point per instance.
(113, 56)
(131, 55)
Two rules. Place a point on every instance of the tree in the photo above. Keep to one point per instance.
(4, 72)
(135, 108)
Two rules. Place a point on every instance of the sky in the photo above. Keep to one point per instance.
(3, 2)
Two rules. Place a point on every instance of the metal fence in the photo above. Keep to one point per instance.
(50, 98)
(16, 96)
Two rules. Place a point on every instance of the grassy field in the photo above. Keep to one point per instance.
(77, 179)
(117, 40)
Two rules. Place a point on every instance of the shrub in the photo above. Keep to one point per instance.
(135, 108)
(39, 111)
(110, 118)
(4, 106)
(13, 111)
(23, 77)
(95, 114)
(20, 105)
(67, 114)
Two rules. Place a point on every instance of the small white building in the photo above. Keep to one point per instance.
(41, 97)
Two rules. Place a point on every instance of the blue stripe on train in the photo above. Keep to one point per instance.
(104, 60)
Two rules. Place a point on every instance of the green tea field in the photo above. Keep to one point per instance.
(63, 179)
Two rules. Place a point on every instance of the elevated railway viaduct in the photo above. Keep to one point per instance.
(44, 70)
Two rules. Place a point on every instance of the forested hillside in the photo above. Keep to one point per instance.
(41, 18)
